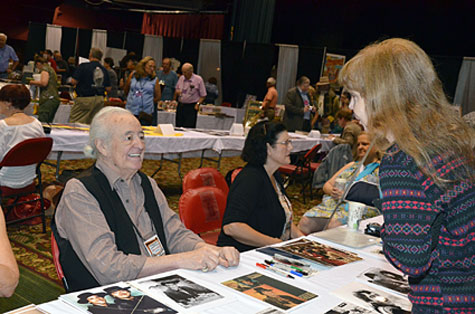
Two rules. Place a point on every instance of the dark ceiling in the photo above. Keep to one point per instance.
(172, 5)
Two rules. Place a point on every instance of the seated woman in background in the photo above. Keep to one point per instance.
(258, 212)
(143, 92)
(315, 219)
(48, 83)
(15, 128)
(9, 273)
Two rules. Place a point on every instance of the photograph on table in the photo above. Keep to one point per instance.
(373, 299)
(320, 253)
(117, 298)
(348, 308)
(183, 291)
(270, 290)
(391, 280)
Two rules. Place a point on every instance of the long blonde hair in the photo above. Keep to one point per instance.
(404, 98)
(140, 69)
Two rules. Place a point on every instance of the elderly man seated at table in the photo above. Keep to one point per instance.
(113, 222)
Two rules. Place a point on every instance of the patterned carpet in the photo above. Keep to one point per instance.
(32, 248)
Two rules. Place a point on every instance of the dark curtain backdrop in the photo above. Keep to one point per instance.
(171, 47)
(36, 40)
(196, 26)
(134, 42)
(254, 69)
(253, 21)
(84, 42)
(231, 54)
(190, 49)
(115, 39)
(68, 42)
(448, 70)
(310, 63)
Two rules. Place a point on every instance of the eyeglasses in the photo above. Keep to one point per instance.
(286, 143)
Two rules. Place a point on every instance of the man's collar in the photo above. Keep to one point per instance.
(111, 175)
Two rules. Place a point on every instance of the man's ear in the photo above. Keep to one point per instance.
(101, 146)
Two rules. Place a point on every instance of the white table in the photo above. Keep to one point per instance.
(69, 144)
(323, 284)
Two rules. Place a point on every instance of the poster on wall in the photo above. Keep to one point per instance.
(333, 65)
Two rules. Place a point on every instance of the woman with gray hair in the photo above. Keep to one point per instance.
(114, 224)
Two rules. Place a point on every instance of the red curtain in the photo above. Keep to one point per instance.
(210, 26)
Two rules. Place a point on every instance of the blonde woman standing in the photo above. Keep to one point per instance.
(426, 176)
(143, 92)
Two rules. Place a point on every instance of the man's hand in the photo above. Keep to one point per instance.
(228, 256)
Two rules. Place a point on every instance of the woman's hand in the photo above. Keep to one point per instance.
(336, 193)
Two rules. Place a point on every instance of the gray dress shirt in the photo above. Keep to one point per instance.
(80, 220)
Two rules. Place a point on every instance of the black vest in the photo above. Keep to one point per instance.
(76, 274)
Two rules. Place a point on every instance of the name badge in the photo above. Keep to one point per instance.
(154, 246)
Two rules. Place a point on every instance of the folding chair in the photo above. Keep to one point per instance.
(303, 170)
(205, 177)
(201, 210)
(29, 152)
(57, 264)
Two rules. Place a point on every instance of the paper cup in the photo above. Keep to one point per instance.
(340, 184)
(36, 77)
(355, 213)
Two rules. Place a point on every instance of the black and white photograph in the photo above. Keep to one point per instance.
(348, 308)
(118, 298)
(385, 278)
(181, 290)
(373, 299)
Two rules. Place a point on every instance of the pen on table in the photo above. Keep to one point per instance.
(275, 270)
(286, 268)
(298, 269)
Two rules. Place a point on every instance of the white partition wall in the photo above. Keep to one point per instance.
(153, 47)
(209, 62)
(99, 39)
(465, 91)
(286, 69)
(53, 37)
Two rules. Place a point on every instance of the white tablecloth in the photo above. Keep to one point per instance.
(72, 143)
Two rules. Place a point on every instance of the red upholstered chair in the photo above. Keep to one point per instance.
(231, 175)
(57, 264)
(303, 170)
(29, 152)
(204, 177)
(201, 210)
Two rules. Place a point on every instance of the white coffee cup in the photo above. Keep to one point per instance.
(36, 77)
(355, 213)
(340, 184)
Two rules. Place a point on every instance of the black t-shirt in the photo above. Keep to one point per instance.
(253, 200)
(90, 81)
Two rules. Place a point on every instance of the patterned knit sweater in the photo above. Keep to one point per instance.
(441, 273)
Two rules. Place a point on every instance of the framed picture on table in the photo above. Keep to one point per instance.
(253, 113)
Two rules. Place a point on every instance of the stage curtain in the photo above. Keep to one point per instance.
(209, 63)
(153, 46)
(68, 42)
(310, 63)
(465, 91)
(53, 37)
(209, 26)
(231, 55)
(115, 39)
(36, 40)
(134, 42)
(84, 42)
(286, 69)
(254, 20)
(189, 50)
(448, 69)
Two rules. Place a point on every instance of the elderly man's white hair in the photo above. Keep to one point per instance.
(271, 81)
(101, 129)
(3, 35)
